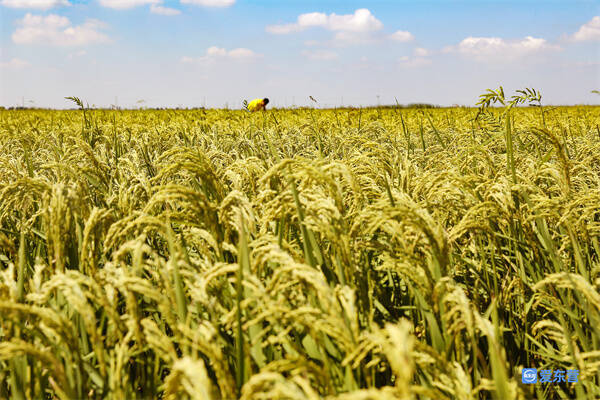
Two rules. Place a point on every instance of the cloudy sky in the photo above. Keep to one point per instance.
(219, 52)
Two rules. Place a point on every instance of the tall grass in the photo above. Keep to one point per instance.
(384, 253)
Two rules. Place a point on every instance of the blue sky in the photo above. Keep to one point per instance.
(219, 52)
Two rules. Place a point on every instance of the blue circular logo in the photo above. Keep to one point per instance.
(529, 375)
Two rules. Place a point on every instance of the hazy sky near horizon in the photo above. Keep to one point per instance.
(216, 52)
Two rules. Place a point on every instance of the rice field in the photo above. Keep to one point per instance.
(380, 253)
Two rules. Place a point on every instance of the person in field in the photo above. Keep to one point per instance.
(258, 105)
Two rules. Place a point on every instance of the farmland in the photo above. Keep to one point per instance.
(375, 253)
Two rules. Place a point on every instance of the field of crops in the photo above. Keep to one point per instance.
(381, 253)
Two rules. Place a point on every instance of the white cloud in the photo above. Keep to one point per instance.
(421, 52)
(210, 3)
(493, 48)
(215, 53)
(420, 58)
(359, 27)
(37, 4)
(588, 31)
(160, 10)
(413, 62)
(360, 22)
(241, 53)
(14, 63)
(323, 55)
(155, 6)
(126, 4)
(402, 36)
(57, 30)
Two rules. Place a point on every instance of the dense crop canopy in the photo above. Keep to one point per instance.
(353, 254)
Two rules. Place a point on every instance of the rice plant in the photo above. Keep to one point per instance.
(348, 254)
